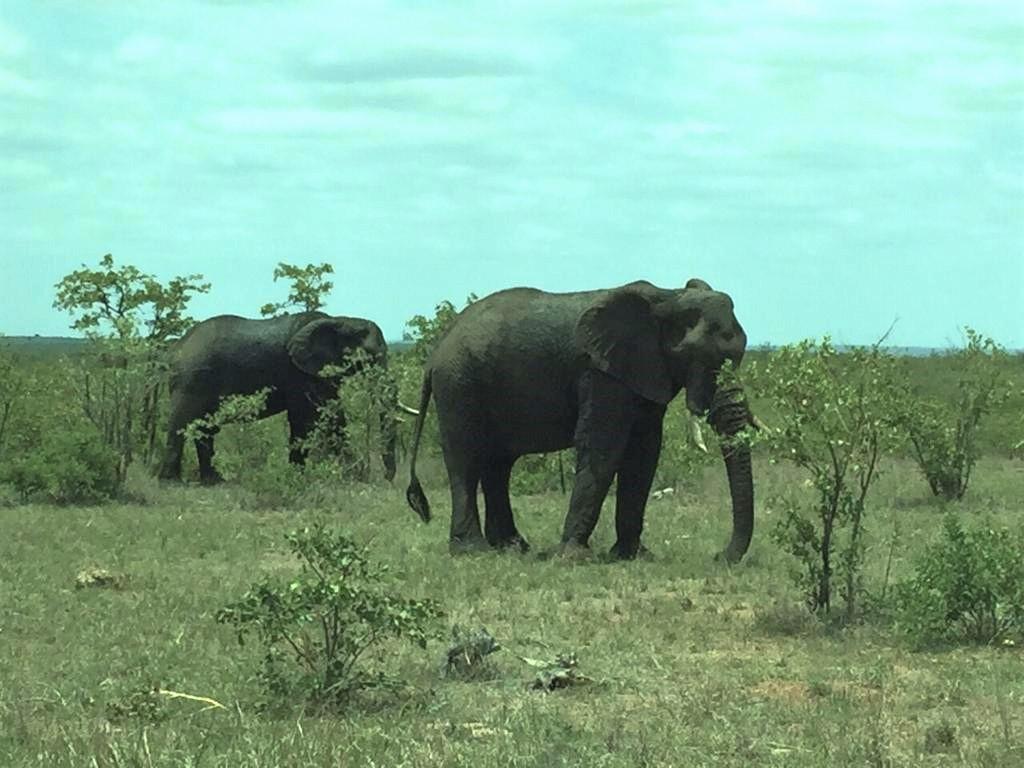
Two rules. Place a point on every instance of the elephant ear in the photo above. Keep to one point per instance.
(621, 336)
(316, 344)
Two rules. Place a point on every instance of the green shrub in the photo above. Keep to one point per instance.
(967, 587)
(72, 465)
(251, 451)
(943, 435)
(425, 332)
(836, 411)
(317, 628)
(355, 428)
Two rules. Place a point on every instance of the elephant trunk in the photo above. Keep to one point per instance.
(729, 415)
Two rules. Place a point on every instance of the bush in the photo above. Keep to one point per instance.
(253, 455)
(943, 435)
(358, 424)
(425, 332)
(72, 465)
(967, 587)
(317, 628)
(837, 411)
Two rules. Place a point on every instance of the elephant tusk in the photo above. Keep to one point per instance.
(758, 424)
(411, 411)
(698, 436)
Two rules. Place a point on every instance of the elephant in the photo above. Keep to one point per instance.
(527, 371)
(231, 355)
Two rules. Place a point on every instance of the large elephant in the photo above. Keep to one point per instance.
(231, 355)
(525, 371)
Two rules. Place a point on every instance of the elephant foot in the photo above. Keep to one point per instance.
(516, 543)
(728, 556)
(574, 551)
(630, 551)
(211, 479)
(468, 546)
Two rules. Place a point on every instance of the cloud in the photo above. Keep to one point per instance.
(410, 64)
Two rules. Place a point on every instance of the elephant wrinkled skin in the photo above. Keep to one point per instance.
(230, 355)
(525, 371)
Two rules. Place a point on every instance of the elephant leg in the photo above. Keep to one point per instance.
(300, 424)
(608, 410)
(464, 534)
(208, 475)
(636, 474)
(170, 467)
(460, 443)
(499, 525)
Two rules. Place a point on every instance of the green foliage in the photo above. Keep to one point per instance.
(124, 302)
(967, 587)
(71, 465)
(309, 288)
(835, 413)
(14, 383)
(424, 332)
(326, 619)
(130, 317)
(254, 456)
(943, 434)
(359, 423)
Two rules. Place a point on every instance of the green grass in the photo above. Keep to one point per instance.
(692, 663)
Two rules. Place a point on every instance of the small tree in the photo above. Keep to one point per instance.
(130, 317)
(309, 290)
(943, 435)
(834, 412)
(325, 619)
(424, 332)
(360, 422)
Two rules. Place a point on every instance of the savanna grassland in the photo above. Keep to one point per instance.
(688, 662)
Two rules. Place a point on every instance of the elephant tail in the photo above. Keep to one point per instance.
(414, 493)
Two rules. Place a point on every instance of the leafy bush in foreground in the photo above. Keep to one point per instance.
(967, 587)
(317, 628)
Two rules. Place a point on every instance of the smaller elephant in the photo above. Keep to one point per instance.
(230, 355)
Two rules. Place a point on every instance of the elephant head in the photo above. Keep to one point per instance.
(657, 342)
(327, 341)
(332, 341)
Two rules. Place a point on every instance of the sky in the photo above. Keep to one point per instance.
(833, 166)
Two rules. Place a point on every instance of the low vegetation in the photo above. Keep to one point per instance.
(304, 616)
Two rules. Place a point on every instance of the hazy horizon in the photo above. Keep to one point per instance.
(832, 168)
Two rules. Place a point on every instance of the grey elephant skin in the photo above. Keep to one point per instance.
(525, 371)
(230, 355)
